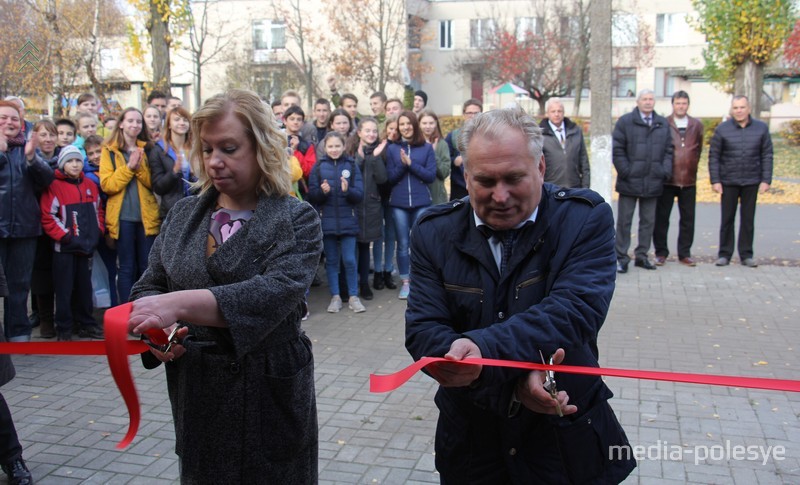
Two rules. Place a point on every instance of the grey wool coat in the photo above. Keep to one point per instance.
(243, 396)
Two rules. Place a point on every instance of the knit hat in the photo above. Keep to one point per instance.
(422, 94)
(68, 153)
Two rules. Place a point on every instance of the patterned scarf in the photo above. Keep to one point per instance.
(17, 141)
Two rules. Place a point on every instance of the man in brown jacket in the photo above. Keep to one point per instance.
(687, 141)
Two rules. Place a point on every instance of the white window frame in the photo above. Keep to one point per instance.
(478, 30)
(528, 24)
(445, 35)
(624, 30)
(671, 29)
(267, 28)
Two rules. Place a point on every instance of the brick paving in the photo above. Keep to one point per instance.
(731, 320)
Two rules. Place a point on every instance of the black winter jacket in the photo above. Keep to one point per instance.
(337, 209)
(741, 156)
(370, 209)
(20, 186)
(642, 155)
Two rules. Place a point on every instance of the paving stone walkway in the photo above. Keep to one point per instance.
(731, 320)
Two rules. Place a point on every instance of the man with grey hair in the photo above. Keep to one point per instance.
(564, 149)
(519, 270)
(642, 155)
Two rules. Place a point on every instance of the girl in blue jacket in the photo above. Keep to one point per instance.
(335, 188)
(411, 166)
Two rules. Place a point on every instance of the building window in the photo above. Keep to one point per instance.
(480, 31)
(529, 25)
(624, 30)
(665, 81)
(671, 28)
(445, 34)
(623, 82)
(269, 34)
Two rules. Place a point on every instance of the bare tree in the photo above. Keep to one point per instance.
(206, 43)
(370, 40)
(298, 24)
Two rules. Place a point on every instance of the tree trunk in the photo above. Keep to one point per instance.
(601, 97)
(160, 40)
(750, 82)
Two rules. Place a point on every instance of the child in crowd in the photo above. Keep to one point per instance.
(65, 128)
(73, 218)
(366, 149)
(303, 149)
(106, 247)
(87, 126)
(383, 250)
(335, 187)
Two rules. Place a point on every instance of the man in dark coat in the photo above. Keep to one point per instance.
(642, 155)
(740, 165)
(458, 188)
(564, 149)
(687, 144)
(474, 295)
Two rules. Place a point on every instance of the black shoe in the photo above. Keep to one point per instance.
(18, 473)
(644, 263)
(64, 336)
(388, 281)
(33, 318)
(622, 267)
(91, 332)
(377, 280)
(365, 292)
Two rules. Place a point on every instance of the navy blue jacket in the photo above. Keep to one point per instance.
(410, 183)
(556, 295)
(337, 209)
(642, 155)
(741, 156)
(20, 186)
(458, 185)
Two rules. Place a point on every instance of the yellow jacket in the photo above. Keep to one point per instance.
(114, 179)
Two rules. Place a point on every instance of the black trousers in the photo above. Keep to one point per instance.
(10, 449)
(686, 209)
(744, 196)
(72, 280)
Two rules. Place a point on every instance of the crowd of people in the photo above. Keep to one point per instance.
(82, 194)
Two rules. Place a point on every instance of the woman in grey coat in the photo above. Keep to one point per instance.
(232, 266)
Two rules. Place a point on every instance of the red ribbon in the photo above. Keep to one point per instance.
(116, 347)
(390, 382)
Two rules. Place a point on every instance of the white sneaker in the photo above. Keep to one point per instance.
(404, 291)
(356, 305)
(336, 304)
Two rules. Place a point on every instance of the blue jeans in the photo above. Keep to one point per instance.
(403, 220)
(17, 255)
(109, 257)
(332, 245)
(384, 260)
(133, 249)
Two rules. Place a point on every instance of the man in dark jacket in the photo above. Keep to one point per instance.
(740, 166)
(458, 188)
(518, 270)
(687, 144)
(564, 149)
(642, 155)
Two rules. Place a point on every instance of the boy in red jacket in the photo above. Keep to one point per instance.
(73, 218)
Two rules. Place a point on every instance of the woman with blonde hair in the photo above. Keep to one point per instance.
(169, 160)
(228, 273)
(132, 218)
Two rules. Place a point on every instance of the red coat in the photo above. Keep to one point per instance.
(72, 214)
